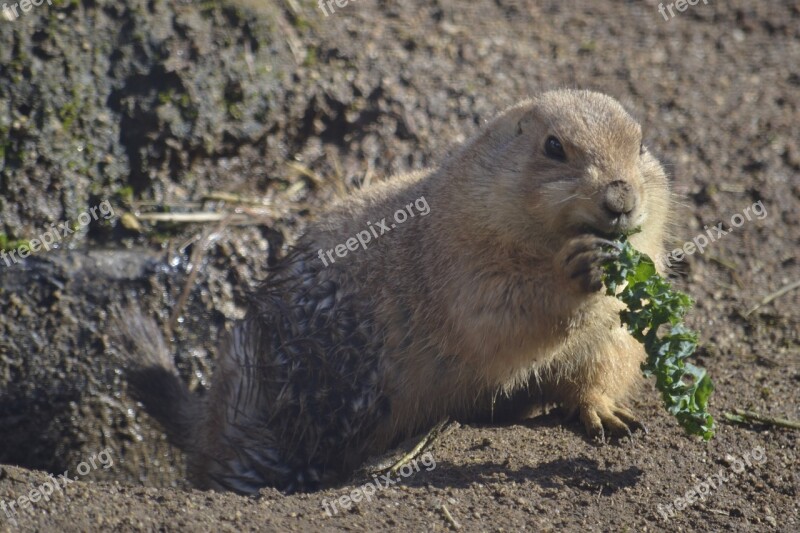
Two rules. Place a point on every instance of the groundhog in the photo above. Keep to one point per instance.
(427, 296)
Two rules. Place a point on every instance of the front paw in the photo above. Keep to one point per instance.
(601, 415)
(581, 260)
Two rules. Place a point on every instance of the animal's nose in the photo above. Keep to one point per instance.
(620, 197)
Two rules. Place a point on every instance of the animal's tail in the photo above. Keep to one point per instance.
(153, 377)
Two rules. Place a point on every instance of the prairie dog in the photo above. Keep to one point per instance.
(497, 287)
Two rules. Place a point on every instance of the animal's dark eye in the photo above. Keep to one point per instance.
(641, 148)
(554, 149)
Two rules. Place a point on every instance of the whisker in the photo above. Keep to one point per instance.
(567, 199)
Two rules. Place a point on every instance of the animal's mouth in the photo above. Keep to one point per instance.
(625, 224)
(614, 228)
(592, 230)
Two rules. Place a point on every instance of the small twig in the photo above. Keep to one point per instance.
(337, 168)
(723, 262)
(295, 187)
(248, 217)
(450, 518)
(139, 204)
(777, 294)
(186, 217)
(292, 40)
(305, 171)
(439, 430)
(198, 252)
(738, 189)
(221, 196)
(369, 173)
(248, 58)
(293, 8)
(743, 417)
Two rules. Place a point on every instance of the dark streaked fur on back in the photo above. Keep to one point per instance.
(294, 398)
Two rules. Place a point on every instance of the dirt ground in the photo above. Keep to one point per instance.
(157, 107)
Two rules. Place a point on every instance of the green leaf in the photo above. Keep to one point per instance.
(650, 304)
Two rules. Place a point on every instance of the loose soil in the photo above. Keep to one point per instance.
(158, 106)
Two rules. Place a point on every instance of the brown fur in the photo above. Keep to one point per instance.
(495, 290)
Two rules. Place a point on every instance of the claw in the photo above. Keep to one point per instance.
(603, 415)
(615, 245)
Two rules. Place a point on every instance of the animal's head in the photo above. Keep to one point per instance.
(567, 162)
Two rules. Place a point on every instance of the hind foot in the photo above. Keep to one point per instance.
(601, 415)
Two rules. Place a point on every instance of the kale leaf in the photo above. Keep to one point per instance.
(652, 303)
